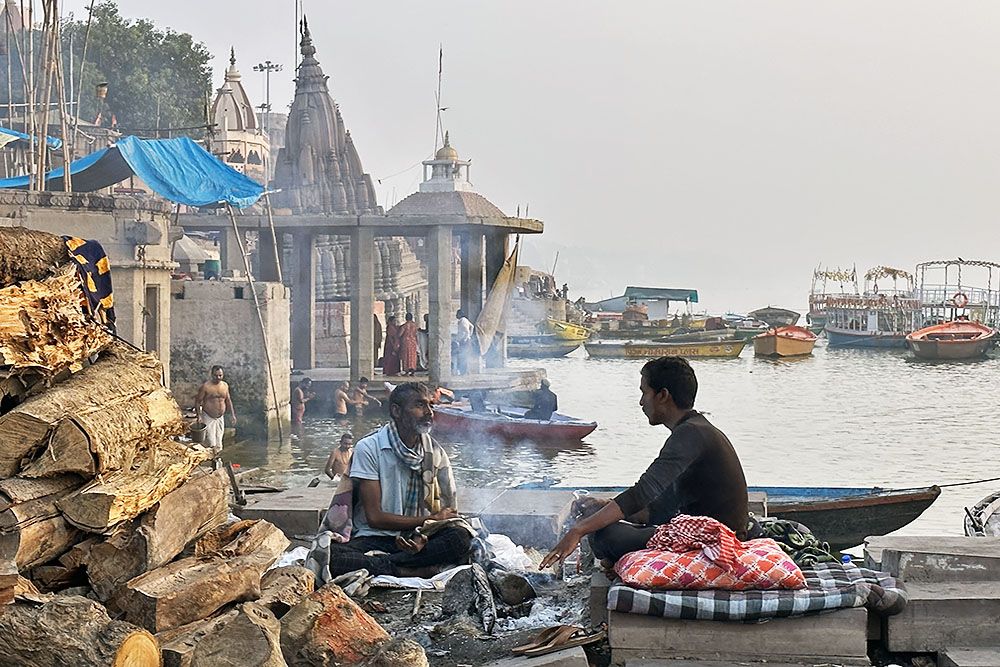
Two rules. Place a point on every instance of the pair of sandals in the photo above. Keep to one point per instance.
(557, 638)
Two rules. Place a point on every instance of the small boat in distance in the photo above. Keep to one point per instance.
(509, 423)
(568, 330)
(960, 339)
(776, 317)
(541, 346)
(728, 349)
(790, 341)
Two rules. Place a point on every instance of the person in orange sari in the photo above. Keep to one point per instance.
(408, 345)
(390, 357)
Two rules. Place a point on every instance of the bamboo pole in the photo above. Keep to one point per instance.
(61, 90)
(274, 235)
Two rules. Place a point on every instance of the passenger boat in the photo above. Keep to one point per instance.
(509, 423)
(877, 318)
(841, 516)
(952, 340)
(790, 341)
(568, 330)
(818, 293)
(542, 346)
(603, 349)
(775, 317)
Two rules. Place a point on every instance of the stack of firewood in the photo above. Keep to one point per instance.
(104, 512)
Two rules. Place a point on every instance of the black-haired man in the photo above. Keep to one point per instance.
(402, 478)
(697, 472)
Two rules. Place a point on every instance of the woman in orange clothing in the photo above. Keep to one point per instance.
(408, 345)
(390, 358)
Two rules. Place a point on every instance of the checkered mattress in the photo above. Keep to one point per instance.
(829, 586)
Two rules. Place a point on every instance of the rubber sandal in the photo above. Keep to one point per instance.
(541, 638)
(579, 637)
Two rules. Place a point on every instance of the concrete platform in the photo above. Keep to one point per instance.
(939, 615)
(942, 559)
(717, 663)
(969, 657)
(598, 601)
(571, 657)
(838, 637)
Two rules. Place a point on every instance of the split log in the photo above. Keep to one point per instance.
(29, 255)
(70, 630)
(329, 628)
(284, 587)
(32, 531)
(8, 580)
(154, 539)
(99, 420)
(249, 635)
(192, 588)
(101, 505)
(43, 326)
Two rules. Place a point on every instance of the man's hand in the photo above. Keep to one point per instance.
(443, 515)
(565, 547)
(234, 419)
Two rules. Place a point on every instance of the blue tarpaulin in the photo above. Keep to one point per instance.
(176, 169)
(51, 142)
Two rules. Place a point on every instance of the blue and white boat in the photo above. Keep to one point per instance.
(876, 318)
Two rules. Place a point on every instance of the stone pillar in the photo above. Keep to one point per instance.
(472, 250)
(269, 256)
(229, 252)
(497, 249)
(439, 283)
(303, 300)
(362, 272)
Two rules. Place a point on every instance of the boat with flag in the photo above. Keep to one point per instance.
(789, 341)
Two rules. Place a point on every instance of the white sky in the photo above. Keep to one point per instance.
(729, 147)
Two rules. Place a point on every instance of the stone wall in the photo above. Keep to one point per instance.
(215, 322)
(135, 233)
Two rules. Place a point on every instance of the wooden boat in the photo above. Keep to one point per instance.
(983, 519)
(644, 350)
(542, 346)
(841, 516)
(790, 341)
(700, 336)
(568, 330)
(509, 423)
(776, 317)
(960, 339)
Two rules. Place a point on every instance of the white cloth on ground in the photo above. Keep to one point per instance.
(215, 428)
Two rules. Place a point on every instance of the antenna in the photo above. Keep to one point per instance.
(437, 98)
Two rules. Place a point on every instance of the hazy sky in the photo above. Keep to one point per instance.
(725, 146)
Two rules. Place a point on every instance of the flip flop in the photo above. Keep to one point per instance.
(541, 638)
(564, 640)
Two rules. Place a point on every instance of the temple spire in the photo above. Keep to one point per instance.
(232, 56)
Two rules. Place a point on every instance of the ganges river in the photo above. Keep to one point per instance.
(837, 418)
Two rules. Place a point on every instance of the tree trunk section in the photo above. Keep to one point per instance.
(284, 587)
(71, 630)
(43, 326)
(8, 580)
(328, 628)
(97, 421)
(249, 636)
(193, 588)
(101, 505)
(29, 255)
(184, 514)
(32, 530)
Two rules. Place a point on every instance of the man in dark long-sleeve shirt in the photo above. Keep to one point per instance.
(696, 472)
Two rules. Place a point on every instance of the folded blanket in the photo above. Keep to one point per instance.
(829, 586)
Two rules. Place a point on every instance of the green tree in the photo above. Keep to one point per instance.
(156, 78)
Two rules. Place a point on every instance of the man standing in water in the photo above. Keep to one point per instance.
(301, 395)
(697, 472)
(339, 462)
(211, 404)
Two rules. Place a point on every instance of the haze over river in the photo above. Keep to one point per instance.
(838, 418)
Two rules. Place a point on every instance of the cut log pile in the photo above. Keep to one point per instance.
(120, 524)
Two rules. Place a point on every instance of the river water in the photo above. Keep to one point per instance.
(838, 418)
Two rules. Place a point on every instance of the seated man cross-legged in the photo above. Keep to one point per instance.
(697, 472)
(402, 478)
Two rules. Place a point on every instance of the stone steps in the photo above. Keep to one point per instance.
(943, 614)
(970, 657)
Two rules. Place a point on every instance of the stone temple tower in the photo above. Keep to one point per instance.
(318, 169)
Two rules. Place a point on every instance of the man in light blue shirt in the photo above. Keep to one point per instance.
(402, 478)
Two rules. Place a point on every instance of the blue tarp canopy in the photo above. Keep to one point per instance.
(51, 142)
(176, 169)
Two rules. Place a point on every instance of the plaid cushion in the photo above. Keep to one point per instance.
(829, 586)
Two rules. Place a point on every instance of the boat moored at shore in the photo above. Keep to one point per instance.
(952, 340)
(729, 349)
(790, 341)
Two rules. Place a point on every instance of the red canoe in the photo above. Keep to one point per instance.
(507, 424)
(960, 339)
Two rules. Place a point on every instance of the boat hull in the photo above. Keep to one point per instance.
(540, 347)
(629, 350)
(776, 317)
(561, 428)
(776, 343)
(953, 350)
(568, 330)
(866, 339)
